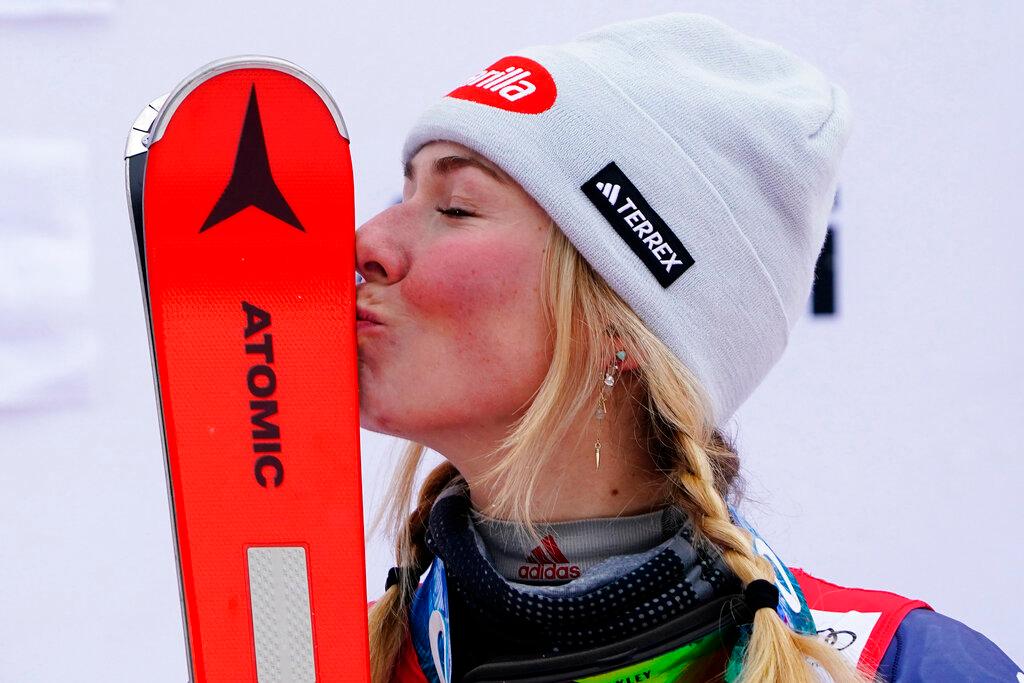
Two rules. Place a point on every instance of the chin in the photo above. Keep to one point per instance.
(374, 421)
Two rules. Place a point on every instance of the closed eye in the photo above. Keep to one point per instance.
(455, 212)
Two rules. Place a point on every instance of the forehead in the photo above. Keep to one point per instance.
(445, 158)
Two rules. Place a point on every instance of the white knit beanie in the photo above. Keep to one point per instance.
(692, 166)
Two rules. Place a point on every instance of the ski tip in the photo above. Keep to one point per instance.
(138, 137)
(221, 66)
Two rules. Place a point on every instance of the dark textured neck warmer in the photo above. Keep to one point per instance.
(492, 617)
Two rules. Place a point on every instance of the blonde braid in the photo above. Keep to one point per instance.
(775, 652)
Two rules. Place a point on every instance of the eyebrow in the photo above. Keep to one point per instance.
(447, 164)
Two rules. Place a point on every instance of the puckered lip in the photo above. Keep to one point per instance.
(366, 314)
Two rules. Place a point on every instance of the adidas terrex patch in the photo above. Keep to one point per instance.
(638, 224)
(516, 84)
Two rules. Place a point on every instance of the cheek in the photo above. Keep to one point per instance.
(474, 283)
(482, 302)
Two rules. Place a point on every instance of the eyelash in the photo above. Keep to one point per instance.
(450, 212)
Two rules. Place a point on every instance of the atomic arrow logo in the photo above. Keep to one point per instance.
(251, 183)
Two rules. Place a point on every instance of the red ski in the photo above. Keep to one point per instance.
(240, 186)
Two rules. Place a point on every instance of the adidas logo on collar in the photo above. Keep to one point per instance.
(638, 224)
(548, 563)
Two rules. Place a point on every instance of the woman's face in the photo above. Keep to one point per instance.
(453, 274)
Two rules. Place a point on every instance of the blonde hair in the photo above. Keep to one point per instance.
(700, 467)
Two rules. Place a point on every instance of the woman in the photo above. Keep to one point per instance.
(601, 249)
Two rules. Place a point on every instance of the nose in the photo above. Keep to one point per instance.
(381, 257)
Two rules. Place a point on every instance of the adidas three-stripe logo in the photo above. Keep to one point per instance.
(610, 191)
(554, 553)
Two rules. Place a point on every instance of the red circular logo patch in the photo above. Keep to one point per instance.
(513, 83)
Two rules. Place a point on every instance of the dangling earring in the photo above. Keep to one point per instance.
(610, 375)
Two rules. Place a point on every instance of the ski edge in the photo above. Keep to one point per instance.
(136, 155)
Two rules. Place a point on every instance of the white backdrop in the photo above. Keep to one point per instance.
(883, 451)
